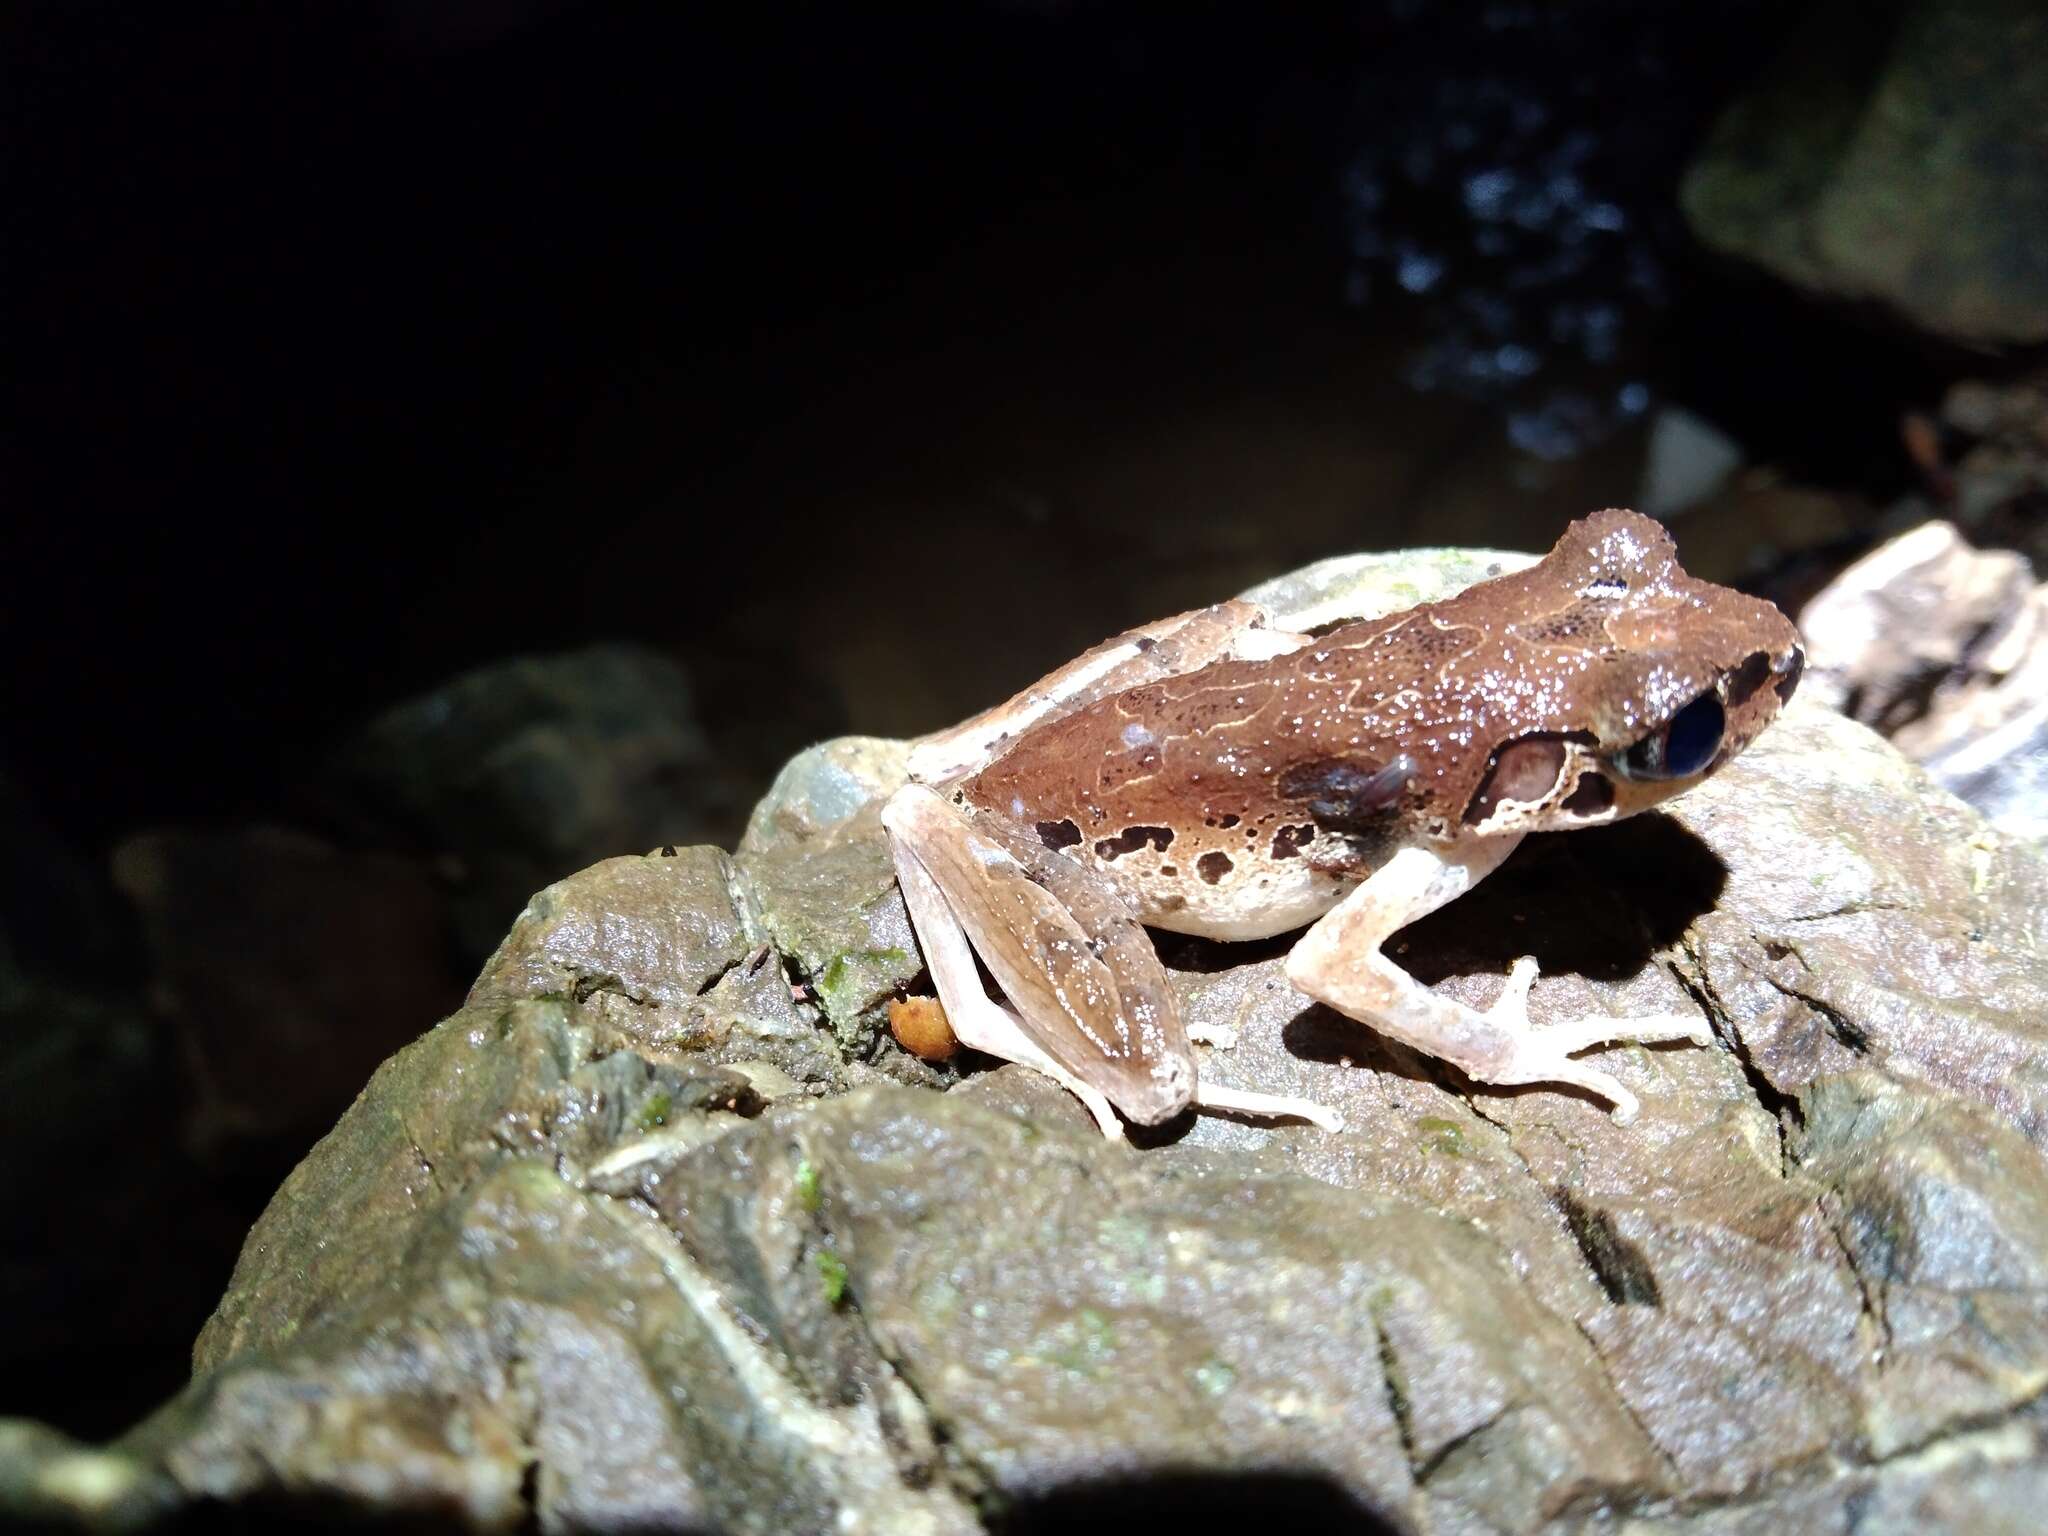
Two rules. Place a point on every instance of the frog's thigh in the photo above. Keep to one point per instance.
(1106, 993)
(976, 1018)
(1338, 962)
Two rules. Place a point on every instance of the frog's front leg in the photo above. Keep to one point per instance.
(1088, 1002)
(1339, 962)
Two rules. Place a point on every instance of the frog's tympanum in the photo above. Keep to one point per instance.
(1209, 774)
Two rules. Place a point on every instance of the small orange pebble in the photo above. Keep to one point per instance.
(920, 1027)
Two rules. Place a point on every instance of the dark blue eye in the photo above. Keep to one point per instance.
(1683, 746)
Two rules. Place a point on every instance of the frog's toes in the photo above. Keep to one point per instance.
(1539, 1060)
(1512, 1006)
(1267, 1106)
(1544, 1054)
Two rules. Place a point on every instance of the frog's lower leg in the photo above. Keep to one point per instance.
(1338, 962)
(977, 1019)
(1088, 1003)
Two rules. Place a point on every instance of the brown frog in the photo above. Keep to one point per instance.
(1209, 774)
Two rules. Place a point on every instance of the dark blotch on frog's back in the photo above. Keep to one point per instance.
(1289, 840)
(1058, 835)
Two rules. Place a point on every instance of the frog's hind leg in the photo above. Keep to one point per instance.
(1338, 962)
(977, 1019)
(1088, 1002)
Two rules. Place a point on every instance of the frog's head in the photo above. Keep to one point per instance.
(1615, 680)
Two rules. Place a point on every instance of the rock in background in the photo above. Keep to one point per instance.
(1943, 646)
(1896, 155)
(513, 775)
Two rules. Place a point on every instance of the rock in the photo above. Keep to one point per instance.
(1944, 648)
(257, 942)
(1903, 163)
(1995, 485)
(1688, 459)
(629, 1240)
(95, 1170)
(524, 771)
(1767, 534)
(659, 929)
(816, 881)
(653, 949)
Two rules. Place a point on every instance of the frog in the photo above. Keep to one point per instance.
(1215, 774)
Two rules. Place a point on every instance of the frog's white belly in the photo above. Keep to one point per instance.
(1256, 900)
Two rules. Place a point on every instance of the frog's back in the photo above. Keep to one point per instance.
(1189, 794)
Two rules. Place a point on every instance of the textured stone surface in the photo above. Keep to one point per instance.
(1944, 649)
(657, 929)
(630, 1242)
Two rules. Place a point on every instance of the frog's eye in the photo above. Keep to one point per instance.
(1681, 747)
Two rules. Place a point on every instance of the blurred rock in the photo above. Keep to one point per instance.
(93, 1166)
(1688, 459)
(1944, 648)
(285, 968)
(1994, 470)
(518, 773)
(1770, 535)
(629, 1241)
(1900, 158)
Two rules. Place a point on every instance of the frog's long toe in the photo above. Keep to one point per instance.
(1267, 1106)
(1544, 1054)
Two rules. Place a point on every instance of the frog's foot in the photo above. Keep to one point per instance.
(1267, 1106)
(1544, 1054)
(1338, 962)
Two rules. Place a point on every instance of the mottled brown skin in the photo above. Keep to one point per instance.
(1303, 771)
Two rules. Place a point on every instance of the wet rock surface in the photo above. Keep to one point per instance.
(645, 1235)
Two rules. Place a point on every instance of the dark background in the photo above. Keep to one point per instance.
(867, 361)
